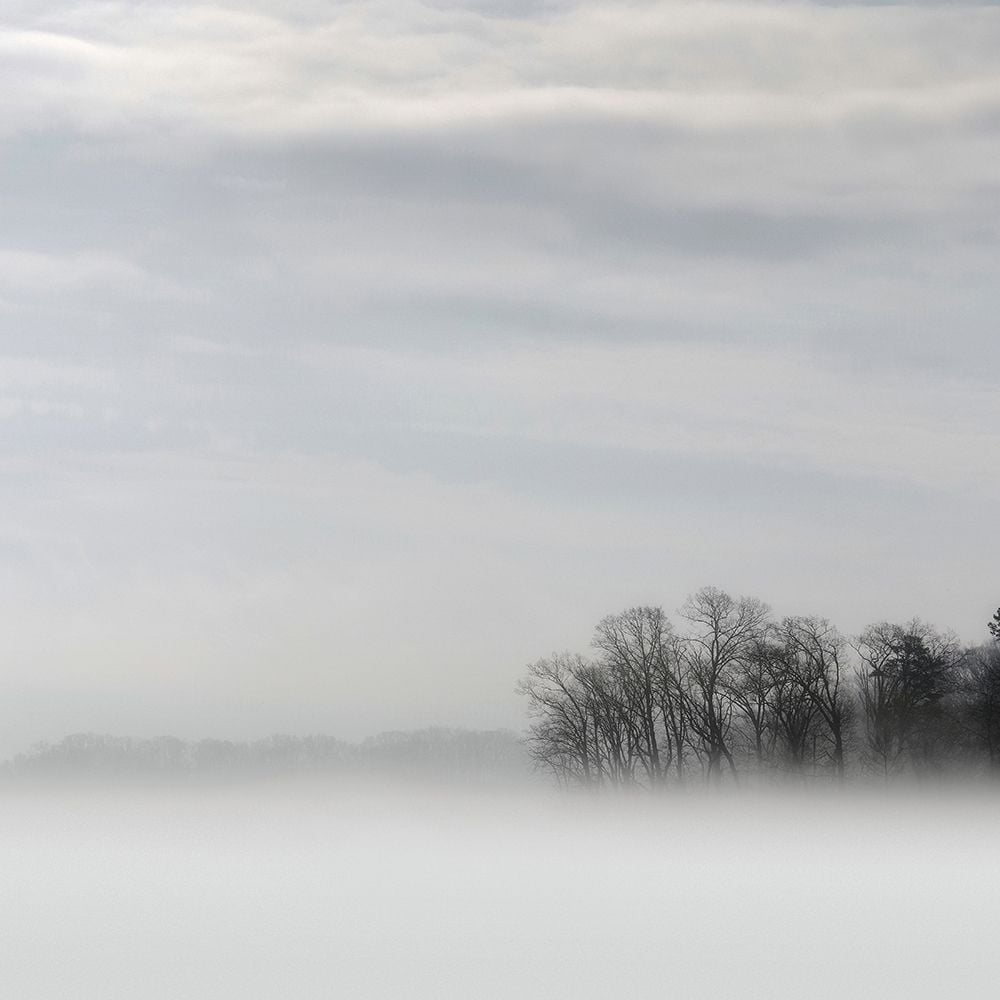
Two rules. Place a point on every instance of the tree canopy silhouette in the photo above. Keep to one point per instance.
(732, 692)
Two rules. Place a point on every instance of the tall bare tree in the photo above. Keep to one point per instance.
(795, 712)
(752, 687)
(636, 647)
(722, 633)
(817, 659)
(563, 736)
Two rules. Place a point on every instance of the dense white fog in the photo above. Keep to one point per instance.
(332, 891)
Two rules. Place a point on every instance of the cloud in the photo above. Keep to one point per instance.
(407, 66)
(40, 373)
(440, 321)
(734, 405)
(26, 271)
(397, 172)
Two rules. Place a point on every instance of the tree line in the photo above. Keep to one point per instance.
(462, 755)
(734, 692)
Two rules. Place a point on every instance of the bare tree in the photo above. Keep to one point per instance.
(734, 689)
(724, 631)
(562, 733)
(795, 712)
(636, 648)
(817, 660)
(618, 734)
(752, 688)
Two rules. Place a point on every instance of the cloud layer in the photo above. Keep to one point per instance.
(459, 325)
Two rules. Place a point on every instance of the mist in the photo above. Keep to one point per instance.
(374, 893)
(499, 499)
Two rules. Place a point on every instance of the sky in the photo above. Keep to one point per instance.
(355, 354)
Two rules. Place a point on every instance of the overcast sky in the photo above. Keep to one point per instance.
(354, 354)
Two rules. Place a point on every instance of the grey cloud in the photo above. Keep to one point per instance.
(594, 218)
(315, 308)
(272, 256)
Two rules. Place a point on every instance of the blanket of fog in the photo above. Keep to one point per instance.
(378, 894)
(355, 354)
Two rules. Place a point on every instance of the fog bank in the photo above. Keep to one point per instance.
(328, 891)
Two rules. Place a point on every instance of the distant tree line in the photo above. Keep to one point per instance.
(461, 755)
(735, 693)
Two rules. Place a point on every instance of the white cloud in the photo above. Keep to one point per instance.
(408, 66)
(48, 274)
(38, 373)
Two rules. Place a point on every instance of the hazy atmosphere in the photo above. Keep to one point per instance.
(499, 499)
(355, 355)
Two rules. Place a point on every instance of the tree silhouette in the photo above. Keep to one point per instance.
(636, 649)
(724, 633)
(905, 674)
(734, 692)
(979, 707)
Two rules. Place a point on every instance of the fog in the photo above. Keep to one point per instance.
(321, 889)
(361, 361)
